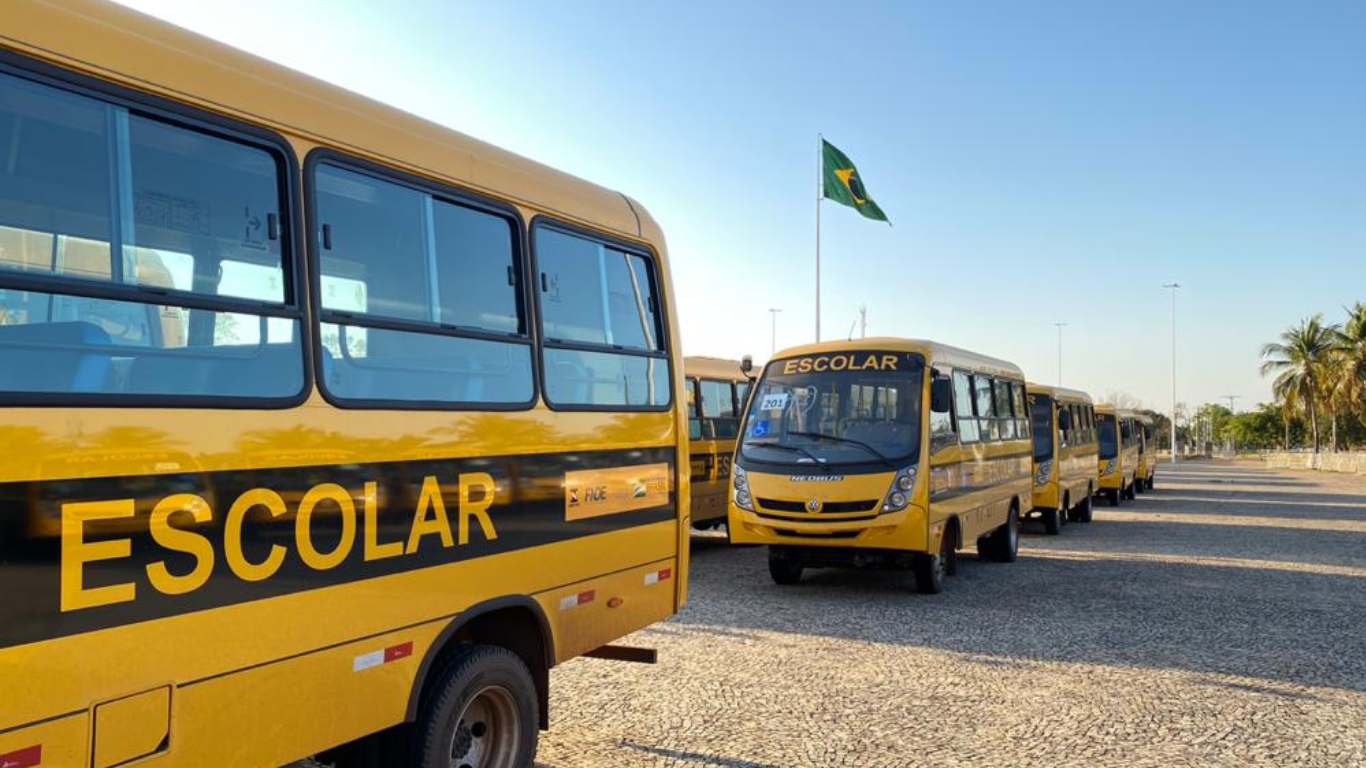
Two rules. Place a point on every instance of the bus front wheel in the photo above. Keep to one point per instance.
(1052, 521)
(482, 712)
(1002, 544)
(1112, 496)
(1084, 511)
(931, 570)
(783, 570)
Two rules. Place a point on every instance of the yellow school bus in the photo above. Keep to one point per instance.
(1147, 451)
(1064, 433)
(358, 427)
(1117, 459)
(882, 452)
(716, 393)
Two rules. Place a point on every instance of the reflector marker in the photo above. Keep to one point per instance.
(570, 601)
(23, 758)
(655, 577)
(384, 656)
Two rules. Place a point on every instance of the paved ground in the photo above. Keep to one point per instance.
(1219, 621)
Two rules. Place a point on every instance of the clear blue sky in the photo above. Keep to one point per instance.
(1041, 162)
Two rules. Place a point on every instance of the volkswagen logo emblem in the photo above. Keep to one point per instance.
(813, 506)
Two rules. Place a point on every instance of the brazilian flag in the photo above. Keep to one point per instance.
(843, 185)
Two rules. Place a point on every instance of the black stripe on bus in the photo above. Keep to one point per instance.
(528, 511)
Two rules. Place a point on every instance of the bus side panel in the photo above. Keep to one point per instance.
(272, 714)
(590, 613)
(60, 742)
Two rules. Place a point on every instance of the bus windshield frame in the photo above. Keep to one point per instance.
(852, 418)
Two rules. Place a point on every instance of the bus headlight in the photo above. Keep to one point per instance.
(899, 495)
(1045, 471)
(740, 483)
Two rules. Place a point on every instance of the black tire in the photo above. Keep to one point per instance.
(1112, 495)
(481, 712)
(783, 570)
(932, 570)
(1129, 493)
(1002, 544)
(1052, 521)
(1152, 481)
(1065, 513)
(1085, 511)
(1140, 485)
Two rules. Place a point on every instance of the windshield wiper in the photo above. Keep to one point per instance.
(784, 446)
(879, 454)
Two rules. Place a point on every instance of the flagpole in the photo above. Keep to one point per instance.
(820, 192)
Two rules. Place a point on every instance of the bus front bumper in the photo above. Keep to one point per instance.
(903, 530)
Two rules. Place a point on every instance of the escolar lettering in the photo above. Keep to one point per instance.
(852, 361)
(474, 496)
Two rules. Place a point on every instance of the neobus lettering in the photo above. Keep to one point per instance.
(850, 362)
(475, 495)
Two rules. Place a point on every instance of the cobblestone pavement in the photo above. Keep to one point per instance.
(1218, 621)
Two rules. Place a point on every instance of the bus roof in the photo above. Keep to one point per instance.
(1129, 413)
(1106, 408)
(933, 351)
(713, 368)
(1059, 393)
(139, 51)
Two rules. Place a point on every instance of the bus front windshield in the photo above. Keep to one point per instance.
(1041, 419)
(1109, 437)
(867, 410)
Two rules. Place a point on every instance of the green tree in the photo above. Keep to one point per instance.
(1257, 429)
(1352, 351)
(1298, 361)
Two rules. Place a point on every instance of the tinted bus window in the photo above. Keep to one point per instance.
(594, 295)
(187, 212)
(390, 253)
(1109, 437)
(962, 402)
(1041, 421)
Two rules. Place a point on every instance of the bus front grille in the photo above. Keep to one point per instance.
(829, 507)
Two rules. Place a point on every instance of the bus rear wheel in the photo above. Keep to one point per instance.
(783, 570)
(481, 714)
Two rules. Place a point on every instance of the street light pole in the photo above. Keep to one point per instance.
(1060, 326)
(773, 312)
(1173, 287)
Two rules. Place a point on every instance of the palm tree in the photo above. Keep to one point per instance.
(1299, 360)
(1352, 348)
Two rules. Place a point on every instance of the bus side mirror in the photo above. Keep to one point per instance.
(941, 395)
(746, 364)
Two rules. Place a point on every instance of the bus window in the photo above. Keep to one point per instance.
(694, 423)
(962, 402)
(986, 410)
(1017, 391)
(595, 295)
(1005, 410)
(396, 254)
(180, 205)
(941, 425)
(718, 409)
